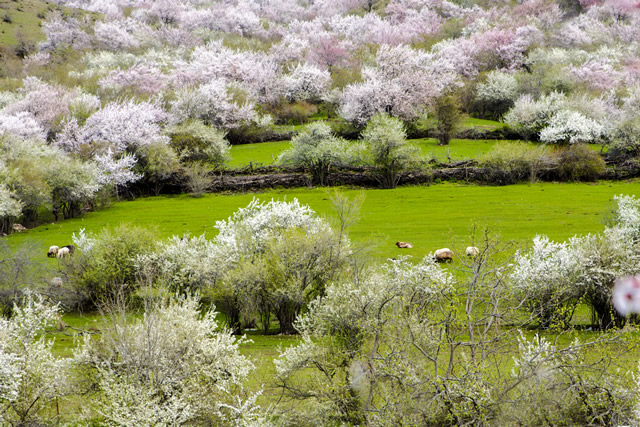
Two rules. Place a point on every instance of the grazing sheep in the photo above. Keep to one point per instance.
(63, 252)
(404, 245)
(444, 255)
(19, 228)
(53, 251)
(472, 251)
(56, 282)
(71, 248)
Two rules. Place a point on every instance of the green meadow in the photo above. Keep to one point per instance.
(430, 217)
(266, 153)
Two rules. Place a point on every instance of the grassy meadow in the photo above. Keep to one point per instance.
(430, 217)
(266, 153)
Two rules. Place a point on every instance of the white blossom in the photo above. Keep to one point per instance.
(118, 172)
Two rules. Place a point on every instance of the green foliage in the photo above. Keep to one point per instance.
(579, 163)
(98, 274)
(387, 149)
(158, 163)
(293, 113)
(195, 141)
(511, 162)
(20, 268)
(199, 179)
(316, 149)
(448, 117)
(626, 143)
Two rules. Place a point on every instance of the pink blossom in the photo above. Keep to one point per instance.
(64, 32)
(140, 78)
(327, 51)
(626, 295)
(597, 74)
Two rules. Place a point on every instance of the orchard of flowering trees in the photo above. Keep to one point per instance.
(145, 93)
(124, 98)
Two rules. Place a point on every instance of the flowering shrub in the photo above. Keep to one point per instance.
(387, 149)
(10, 208)
(213, 104)
(123, 125)
(173, 366)
(554, 276)
(249, 228)
(31, 377)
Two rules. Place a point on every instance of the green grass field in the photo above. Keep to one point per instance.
(429, 217)
(266, 153)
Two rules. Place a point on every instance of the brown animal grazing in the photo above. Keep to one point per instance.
(444, 255)
(404, 245)
(71, 248)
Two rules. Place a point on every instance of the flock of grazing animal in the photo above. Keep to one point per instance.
(63, 252)
(444, 254)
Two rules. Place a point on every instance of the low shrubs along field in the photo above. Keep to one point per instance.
(429, 217)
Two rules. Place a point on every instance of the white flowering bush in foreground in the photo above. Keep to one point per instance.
(173, 366)
(249, 228)
(554, 277)
(31, 377)
(184, 263)
(378, 339)
(546, 276)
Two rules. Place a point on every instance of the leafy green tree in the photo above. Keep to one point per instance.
(448, 117)
(388, 152)
(316, 149)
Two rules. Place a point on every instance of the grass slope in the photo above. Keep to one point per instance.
(22, 20)
(429, 217)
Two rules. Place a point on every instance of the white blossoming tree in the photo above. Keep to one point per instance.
(554, 277)
(10, 208)
(173, 366)
(32, 379)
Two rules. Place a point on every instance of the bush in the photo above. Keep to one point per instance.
(174, 366)
(295, 113)
(315, 149)
(448, 118)
(387, 149)
(195, 141)
(104, 265)
(626, 142)
(579, 163)
(511, 162)
(199, 179)
(32, 379)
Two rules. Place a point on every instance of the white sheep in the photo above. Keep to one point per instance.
(53, 251)
(404, 245)
(63, 252)
(444, 255)
(472, 251)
